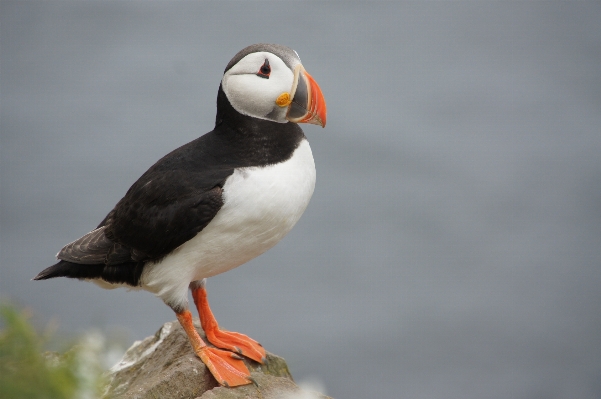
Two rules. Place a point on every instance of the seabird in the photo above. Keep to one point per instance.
(214, 203)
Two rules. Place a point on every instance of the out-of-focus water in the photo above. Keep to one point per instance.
(452, 248)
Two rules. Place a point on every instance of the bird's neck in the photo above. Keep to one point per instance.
(264, 141)
(243, 124)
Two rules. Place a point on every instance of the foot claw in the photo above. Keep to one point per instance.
(225, 367)
(237, 343)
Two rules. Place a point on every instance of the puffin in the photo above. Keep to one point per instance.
(213, 204)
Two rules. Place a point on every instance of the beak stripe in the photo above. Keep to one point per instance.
(317, 105)
(308, 104)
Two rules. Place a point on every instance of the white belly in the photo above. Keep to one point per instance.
(261, 205)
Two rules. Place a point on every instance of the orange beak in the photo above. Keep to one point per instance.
(308, 104)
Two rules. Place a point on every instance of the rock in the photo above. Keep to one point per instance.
(164, 366)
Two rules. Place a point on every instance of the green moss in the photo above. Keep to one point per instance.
(28, 373)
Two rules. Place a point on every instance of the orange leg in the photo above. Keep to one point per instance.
(227, 367)
(229, 340)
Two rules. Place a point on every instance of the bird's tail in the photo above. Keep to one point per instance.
(72, 270)
(123, 273)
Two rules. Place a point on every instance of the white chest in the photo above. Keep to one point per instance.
(261, 205)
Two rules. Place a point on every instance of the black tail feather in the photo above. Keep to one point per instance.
(127, 273)
(72, 270)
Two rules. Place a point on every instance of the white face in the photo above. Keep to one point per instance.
(254, 95)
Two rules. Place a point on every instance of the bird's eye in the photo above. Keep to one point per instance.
(265, 70)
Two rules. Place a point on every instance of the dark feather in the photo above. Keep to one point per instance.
(175, 199)
(180, 194)
(126, 273)
(94, 248)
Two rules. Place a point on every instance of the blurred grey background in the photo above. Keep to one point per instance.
(452, 248)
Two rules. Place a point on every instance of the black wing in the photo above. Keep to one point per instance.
(164, 213)
(171, 203)
(94, 248)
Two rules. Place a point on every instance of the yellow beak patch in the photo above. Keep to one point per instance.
(283, 100)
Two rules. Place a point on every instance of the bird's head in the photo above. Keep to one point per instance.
(268, 81)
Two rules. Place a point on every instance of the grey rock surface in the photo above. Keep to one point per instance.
(164, 366)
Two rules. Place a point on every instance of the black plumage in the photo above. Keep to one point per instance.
(175, 199)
